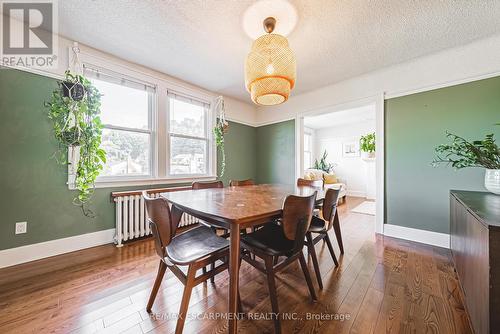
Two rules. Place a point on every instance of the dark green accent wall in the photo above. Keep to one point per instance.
(33, 186)
(241, 153)
(417, 194)
(276, 153)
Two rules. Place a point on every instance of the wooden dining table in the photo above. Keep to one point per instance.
(236, 208)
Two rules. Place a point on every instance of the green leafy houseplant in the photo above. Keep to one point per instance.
(461, 153)
(77, 124)
(220, 130)
(367, 143)
(322, 164)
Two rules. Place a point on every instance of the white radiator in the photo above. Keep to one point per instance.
(131, 216)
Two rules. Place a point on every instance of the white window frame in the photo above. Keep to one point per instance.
(208, 138)
(159, 118)
(150, 131)
(152, 147)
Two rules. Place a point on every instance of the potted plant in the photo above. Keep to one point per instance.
(367, 145)
(322, 164)
(73, 89)
(461, 153)
(220, 130)
(74, 113)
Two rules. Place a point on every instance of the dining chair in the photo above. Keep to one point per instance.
(197, 185)
(240, 183)
(194, 248)
(310, 183)
(284, 241)
(321, 226)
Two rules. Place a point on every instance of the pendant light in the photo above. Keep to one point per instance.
(270, 68)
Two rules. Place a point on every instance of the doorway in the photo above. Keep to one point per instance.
(337, 143)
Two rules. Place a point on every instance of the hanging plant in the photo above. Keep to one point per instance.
(74, 111)
(220, 130)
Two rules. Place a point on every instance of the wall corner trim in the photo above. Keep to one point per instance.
(13, 256)
(413, 234)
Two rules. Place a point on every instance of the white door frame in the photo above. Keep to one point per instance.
(378, 101)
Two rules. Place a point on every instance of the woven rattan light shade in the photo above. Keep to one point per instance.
(270, 70)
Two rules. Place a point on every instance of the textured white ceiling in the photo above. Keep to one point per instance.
(343, 117)
(203, 42)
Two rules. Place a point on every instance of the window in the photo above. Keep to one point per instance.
(188, 136)
(126, 112)
(307, 150)
(151, 136)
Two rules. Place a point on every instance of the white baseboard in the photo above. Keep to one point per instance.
(413, 234)
(18, 255)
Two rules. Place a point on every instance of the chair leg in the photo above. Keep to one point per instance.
(338, 233)
(330, 247)
(186, 295)
(312, 252)
(212, 267)
(303, 265)
(272, 293)
(156, 286)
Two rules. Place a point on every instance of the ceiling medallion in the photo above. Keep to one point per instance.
(270, 68)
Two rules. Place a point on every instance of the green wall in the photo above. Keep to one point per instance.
(417, 194)
(276, 153)
(241, 153)
(33, 186)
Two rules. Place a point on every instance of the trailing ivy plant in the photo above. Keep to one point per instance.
(219, 142)
(461, 153)
(322, 164)
(220, 130)
(77, 125)
(367, 143)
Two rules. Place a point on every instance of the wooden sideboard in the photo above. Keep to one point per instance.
(475, 245)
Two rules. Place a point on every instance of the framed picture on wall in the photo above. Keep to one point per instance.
(350, 149)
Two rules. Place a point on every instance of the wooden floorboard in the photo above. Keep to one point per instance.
(382, 285)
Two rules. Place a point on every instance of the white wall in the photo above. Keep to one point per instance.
(352, 170)
(452, 66)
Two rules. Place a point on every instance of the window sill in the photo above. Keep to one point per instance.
(150, 181)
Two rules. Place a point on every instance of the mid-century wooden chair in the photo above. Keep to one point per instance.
(310, 183)
(284, 241)
(321, 226)
(194, 248)
(210, 185)
(240, 183)
(206, 185)
(196, 185)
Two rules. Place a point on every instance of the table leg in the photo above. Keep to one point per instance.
(234, 269)
(176, 216)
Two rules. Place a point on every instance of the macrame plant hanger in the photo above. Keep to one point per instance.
(221, 113)
(75, 61)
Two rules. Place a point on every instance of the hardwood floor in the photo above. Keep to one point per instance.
(382, 285)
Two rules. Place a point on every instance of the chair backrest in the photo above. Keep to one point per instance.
(206, 185)
(160, 222)
(297, 214)
(330, 206)
(310, 183)
(237, 183)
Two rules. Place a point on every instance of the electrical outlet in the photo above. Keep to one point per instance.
(21, 227)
